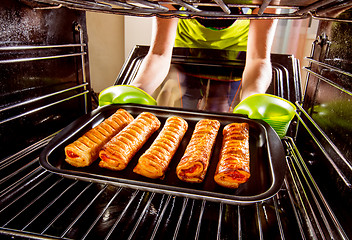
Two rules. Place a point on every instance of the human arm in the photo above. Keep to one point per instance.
(156, 64)
(257, 73)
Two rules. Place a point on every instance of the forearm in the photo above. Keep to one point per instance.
(256, 77)
(152, 72)
(156, 64)
(257, 73)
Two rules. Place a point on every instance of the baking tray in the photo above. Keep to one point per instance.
(267, 158)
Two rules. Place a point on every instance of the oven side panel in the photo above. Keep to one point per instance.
(325, 133)
(43, 87)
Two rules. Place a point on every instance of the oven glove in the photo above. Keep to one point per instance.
(120, 94)
(275, 111)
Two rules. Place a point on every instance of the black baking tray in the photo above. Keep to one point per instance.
(267, 157)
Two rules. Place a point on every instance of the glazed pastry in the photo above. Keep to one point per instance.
(194, 163)
(155, 161)
(233, 166)
(85, 150)
(118, 152)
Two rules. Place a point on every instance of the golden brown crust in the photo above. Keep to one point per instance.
(233, 167)
(155, 161)
(195, 161)
(118, 152)
(84, 151)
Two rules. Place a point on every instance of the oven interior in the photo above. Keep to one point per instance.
(45, 86)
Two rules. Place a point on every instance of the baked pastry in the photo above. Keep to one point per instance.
(118, 152)
(85, 150)
(233, 165)
(155, 161)
(194, 163)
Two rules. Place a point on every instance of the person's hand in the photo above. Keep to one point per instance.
(121, 94)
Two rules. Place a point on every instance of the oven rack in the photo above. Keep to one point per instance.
(143, 8)
(338, 170)
(35, 203)
(40, 104)
(335, 155)
(28, 53)
(311, 200)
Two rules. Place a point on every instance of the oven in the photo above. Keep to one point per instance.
(45, 86)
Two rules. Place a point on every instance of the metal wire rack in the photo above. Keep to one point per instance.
(35, 203)
(222, 9)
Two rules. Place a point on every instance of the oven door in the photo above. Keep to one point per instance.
(210, 80)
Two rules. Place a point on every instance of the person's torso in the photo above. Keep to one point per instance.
(227, 34)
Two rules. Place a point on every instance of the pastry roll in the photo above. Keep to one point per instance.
(155, 161)
(118, 152)
(85, 150)
(233, 166)
(194, 163)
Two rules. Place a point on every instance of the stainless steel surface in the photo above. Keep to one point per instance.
(12, 48)
(40, 58)
(223, 6)
(40, 98)
(263, 6)
(79, 29)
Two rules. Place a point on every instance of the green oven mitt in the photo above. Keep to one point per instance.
(121, 94)
(276, 111)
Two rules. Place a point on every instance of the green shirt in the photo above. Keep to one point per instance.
(191, 34)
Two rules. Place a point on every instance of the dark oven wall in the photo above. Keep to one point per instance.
(327, 111)
(43, 87)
